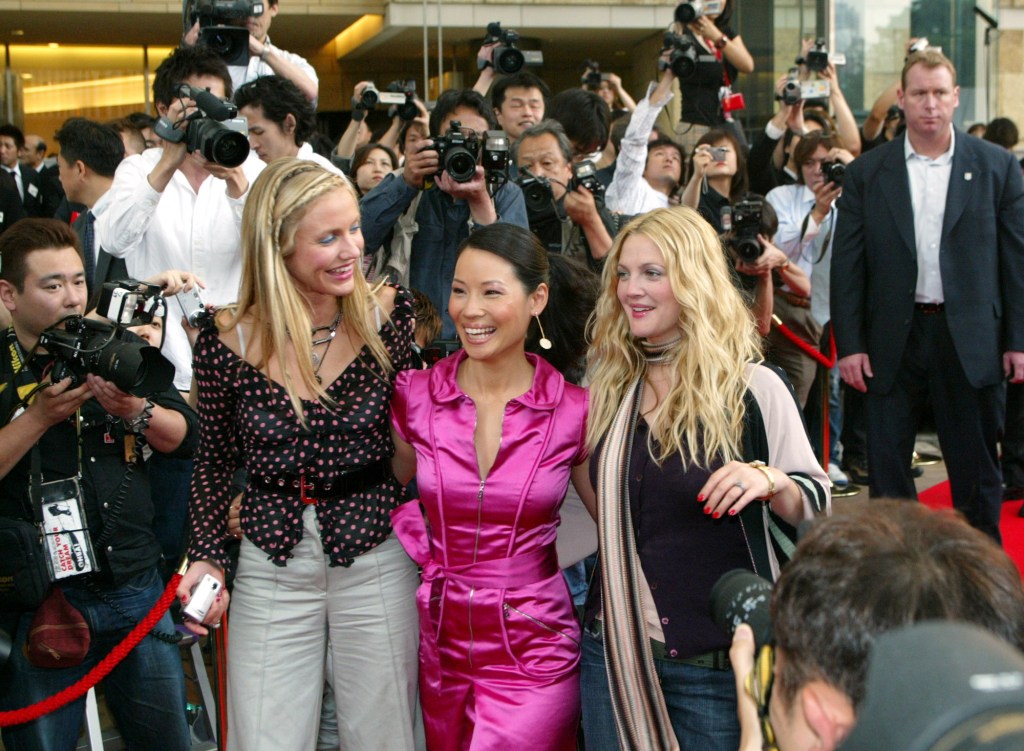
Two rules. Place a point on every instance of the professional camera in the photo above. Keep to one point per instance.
(457, 153)
(817, 57)
(537, 193)
(833, 172)
(86, 345)
(222, 26)
(683, 58)
(507, 57)
(741, 596)
(592, 75)
(585, 173)
(791, 89)
(746, 226)
(691, 11)
(401, 96)
(214, 129)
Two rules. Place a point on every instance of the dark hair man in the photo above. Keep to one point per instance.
(445, 210)
(24, 178)
(518, 102)
(281, 120)
(89, 155)
(265, 59)
(60, 432)
(927, 292)
(585, 117)
(575, 222)
(170, 209)
(870, 569)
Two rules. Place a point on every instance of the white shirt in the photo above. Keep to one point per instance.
(177, 229)
(306, 152)
(792, 204)
(929, 183)
(629, 193)
(256, 68)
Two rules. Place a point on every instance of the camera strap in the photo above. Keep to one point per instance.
(18, 381)
(828, 235)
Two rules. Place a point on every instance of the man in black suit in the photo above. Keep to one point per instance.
(928, 292)
(89, 155)
(27, 180)
(34, 156)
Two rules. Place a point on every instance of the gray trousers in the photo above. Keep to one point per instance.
(285, 620)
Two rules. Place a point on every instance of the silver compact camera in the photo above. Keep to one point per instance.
(202, 598)
(194, 309)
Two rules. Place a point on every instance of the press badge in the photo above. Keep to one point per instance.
(65, 534)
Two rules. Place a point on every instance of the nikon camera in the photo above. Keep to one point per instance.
(213, 129)
(458, 153)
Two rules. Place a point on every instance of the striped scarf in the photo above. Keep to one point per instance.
(641, 717)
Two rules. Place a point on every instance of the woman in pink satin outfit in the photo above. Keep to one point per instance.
(493, 434)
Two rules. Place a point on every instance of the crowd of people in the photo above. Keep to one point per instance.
(626, 319)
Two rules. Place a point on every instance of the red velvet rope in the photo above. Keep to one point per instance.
(806, 348)
(101, 670)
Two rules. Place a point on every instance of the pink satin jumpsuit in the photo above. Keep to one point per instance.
(499, 643)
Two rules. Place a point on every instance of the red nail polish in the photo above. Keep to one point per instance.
(732, 512)
(707, 509)
(716, 515)
(700, 498)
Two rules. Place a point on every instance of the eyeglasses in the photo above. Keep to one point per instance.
(759, 685)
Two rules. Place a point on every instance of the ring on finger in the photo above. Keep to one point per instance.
(739, 484)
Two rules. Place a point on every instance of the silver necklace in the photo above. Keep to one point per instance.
(331, 330)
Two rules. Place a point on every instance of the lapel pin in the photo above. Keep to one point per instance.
(968, 176)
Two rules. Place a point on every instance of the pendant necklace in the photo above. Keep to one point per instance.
(331, 330)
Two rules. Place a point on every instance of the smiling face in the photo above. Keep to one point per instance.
(374, 169)
(490, 307)
(522, 108)
(645, 292)
(268, 139)
(328, 246)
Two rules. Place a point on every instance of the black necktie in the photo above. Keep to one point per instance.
(88, 240)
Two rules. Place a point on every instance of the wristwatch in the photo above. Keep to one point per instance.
(140, 423)
(722, 41)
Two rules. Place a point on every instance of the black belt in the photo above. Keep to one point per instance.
(312, 488)
(929, 308)
(717, 659)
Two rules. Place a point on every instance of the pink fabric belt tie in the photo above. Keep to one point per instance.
(517, 571)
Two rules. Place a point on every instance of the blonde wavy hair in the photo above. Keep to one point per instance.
(704, 406)
(278, 200)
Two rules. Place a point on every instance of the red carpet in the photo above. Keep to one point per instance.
(1011, 526)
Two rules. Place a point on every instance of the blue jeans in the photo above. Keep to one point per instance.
(701, 703)
(145, 692)
(170, 480)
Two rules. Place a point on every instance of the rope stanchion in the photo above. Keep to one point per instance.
(808, 349)
(102, 668)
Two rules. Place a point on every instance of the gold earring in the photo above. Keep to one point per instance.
(544, 342)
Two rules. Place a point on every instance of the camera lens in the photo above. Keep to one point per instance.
(684, 61)
(460, 163)
(136, 368)
(508, 60)
(748, 249)
(218, 143)
(687, 12)
(537, 195)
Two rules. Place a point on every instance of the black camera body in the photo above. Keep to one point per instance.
(214, 129)
(86, 345)
(458, 154)
(746, 226)
(592, 75)
(817, 57)
(585, 173)
(222, 26)
(833, 172)
(401, 96)
(507, 58)
(538, 196)
(683, 56)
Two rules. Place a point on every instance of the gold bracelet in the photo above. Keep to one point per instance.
(758, 464)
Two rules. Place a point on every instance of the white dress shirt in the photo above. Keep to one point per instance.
(804, 246)
(256, 68)
(179, 228)
(629, 193)
(929, 184)
(306, 152)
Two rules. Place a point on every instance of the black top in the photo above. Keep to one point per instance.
(701, 104)
(132, 546)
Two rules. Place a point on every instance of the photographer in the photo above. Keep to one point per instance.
(609, 89)
(720, 57)
(86, 431)
(173, 209)
(518, 101)
(445, 210)
(572, 221)
(266, 59)
(870, 569)
(806, 224)
(280, 120)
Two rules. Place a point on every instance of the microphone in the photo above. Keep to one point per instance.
(211, 104)
(742, 596)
